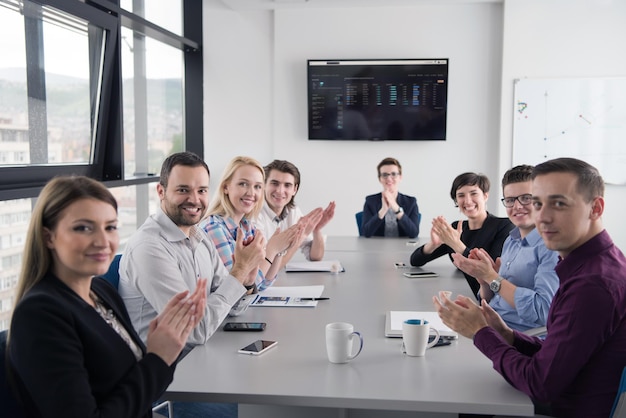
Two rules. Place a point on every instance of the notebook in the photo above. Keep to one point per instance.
(394, 319)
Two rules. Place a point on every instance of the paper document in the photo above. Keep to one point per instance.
(333, 266)
(289, 296)
(394, 320)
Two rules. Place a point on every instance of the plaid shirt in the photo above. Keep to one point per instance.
(223, 233)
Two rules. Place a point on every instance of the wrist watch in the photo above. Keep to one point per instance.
(400, 210)
(495, 285)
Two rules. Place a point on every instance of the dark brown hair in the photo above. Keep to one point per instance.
(590, 183)
(389, 161)
(285, 167)
(187, 159)
(469, 179)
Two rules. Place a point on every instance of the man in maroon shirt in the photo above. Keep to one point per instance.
(577, 368)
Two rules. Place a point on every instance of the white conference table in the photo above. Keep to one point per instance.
(295, 379)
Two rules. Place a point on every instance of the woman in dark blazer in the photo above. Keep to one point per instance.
(390, 213)
(469, 193)
(72, 349)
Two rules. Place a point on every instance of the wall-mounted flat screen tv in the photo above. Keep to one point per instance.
(378, 99)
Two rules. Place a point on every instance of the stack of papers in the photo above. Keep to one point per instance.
(332, 266)
(289, 296)
(394, 320)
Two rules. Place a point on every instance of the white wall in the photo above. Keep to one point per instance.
(469, 35)
(255, 88)
(238, 92)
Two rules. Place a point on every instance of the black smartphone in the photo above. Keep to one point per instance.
(417, 272)
(442, 341)
(244, 326)
(258, 347)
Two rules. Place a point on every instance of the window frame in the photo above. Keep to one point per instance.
(18, 182)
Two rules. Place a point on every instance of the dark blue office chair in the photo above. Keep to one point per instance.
(113, 274)
(359, 222)
(9, 406)
(619, 407)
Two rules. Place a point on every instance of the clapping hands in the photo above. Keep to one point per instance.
(317, 219)
(168, 332)
(467, 318)
(442, 232)
(478, 264)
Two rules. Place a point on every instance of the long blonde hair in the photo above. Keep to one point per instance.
(221, 204)
(55, 197)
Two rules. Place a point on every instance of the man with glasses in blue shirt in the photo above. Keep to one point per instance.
(520, 284)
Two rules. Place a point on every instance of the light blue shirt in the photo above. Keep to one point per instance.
(529, 265)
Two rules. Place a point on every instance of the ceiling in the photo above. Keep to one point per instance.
(283, 4)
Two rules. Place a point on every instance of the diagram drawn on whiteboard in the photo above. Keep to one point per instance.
(583, 118)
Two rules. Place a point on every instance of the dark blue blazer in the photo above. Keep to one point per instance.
(373, 226)
(65, 360)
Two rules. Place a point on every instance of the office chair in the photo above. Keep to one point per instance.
(619, 407)
(359, 222)
(8, 404)
(113, 276)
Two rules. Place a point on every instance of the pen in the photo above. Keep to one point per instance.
(314, 298)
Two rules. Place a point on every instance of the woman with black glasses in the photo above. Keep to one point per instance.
(390, 213)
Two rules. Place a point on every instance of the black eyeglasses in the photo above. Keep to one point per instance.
(524, 199)
(393, 175)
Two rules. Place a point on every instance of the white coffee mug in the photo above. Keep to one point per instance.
(415, 333)
(339, 337)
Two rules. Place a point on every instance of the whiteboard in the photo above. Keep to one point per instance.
(584, 118)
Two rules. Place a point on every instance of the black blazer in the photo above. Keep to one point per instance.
(490, 237)
(408, 226)
(66, 361)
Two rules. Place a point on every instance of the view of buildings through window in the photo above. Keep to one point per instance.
(50, 121)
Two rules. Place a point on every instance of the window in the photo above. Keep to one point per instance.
(104, 88)
(165, 13)
(51, 98)
(60, 111)
(153, 102)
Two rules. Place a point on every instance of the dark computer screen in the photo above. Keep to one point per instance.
(377, 99)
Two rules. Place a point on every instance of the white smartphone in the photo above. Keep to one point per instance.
(258, 347)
